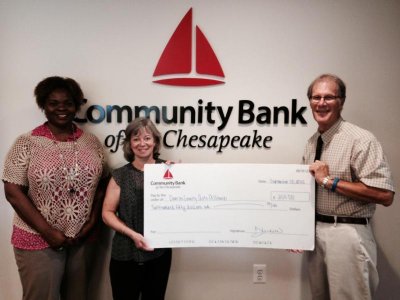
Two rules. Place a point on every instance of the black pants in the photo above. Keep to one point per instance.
(130, 279)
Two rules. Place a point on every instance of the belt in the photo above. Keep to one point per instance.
(335, 219)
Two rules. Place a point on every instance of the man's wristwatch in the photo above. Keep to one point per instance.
(325, 181)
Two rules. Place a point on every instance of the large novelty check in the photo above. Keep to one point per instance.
(229, 205)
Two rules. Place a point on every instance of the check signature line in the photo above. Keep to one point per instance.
(258, 234)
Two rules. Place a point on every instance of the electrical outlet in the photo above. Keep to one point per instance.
(259, 273)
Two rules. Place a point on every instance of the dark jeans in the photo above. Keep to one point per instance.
(130, 279)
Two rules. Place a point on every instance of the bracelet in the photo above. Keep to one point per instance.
(325, 181)
(335, 182)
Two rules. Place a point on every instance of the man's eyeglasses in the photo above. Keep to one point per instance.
(328, 99)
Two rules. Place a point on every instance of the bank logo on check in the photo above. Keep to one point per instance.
(168, 174)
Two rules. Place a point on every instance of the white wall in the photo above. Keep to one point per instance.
(270, 51)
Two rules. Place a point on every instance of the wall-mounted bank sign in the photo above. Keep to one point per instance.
(175, 68)
(179, 53)
(204, 113)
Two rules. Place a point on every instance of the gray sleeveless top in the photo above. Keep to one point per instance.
(130, 211)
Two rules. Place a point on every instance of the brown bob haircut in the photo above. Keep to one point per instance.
(133, 129)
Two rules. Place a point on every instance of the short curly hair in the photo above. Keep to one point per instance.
(133, 129)
(50, 84)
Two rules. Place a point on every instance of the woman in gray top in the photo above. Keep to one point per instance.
(135, 268)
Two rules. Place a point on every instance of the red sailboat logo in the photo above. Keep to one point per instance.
(178, 55)
(168, 175)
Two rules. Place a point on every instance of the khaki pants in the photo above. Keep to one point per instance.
(53, 275)
(343, 264)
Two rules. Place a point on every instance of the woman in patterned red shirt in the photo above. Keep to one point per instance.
(51, 178)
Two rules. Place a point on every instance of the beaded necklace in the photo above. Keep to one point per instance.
(70, 174)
